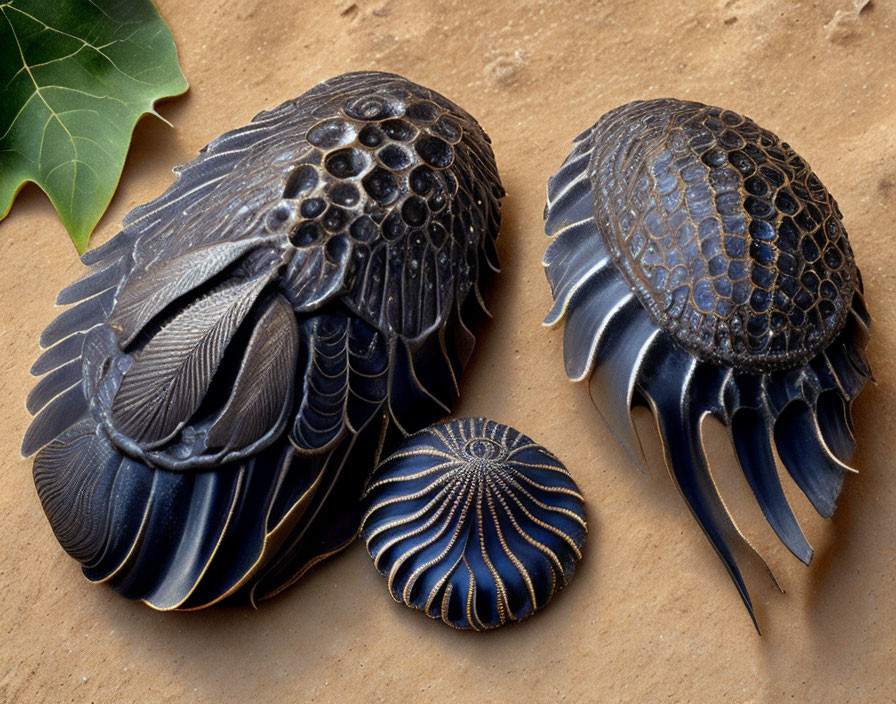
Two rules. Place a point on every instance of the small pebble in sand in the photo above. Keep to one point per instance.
(504, 70)
(844, 25)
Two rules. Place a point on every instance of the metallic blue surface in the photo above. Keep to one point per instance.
(659, 311)
(474, 523)
(242, 352)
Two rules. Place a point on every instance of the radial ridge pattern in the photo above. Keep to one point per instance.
(474, 523)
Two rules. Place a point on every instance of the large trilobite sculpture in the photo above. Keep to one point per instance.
(242, 352)
(701, 268)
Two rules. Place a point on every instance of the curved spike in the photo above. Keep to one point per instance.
(616, 370)
(490, 253)
(811, 464)
(859, 359)
(751, 438)
(860, 310)
(856, 330)
(462, 338)
(59, 354)
(59, 380)
(57, 416)
(678, 423)
(855, 337)
(79, 318)
(849, 380)
(835, 424)
(596, 303)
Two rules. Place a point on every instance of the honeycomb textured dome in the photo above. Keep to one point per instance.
(727, 236)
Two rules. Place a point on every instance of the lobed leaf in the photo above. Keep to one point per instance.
(75, 77)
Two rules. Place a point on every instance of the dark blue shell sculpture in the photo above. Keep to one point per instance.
(242, 352)
(474, 523)
(701, 268)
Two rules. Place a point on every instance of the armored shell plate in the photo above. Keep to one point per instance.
(245, 348)
(726, 235)
(474, 523)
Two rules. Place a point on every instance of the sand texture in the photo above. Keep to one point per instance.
(651, 614)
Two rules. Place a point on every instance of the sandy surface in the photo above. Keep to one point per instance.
(651, 614)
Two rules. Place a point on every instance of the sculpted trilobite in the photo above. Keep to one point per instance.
(701, 268)
(245, 348)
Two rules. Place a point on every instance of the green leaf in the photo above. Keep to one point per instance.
(75, 77)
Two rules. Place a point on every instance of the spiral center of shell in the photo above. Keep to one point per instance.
(484, 451)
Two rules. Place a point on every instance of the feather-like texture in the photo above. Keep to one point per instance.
(171, 375)
(474, 523)
(150, 291)
(83, 316)
(700, 268)
(55, 418)
(59, 354)
(59, 380)
(81, 463)
(263, 387)
(102, 280)
(240, 354)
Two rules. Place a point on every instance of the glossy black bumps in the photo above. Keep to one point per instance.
(243, 351)
(474, 523)
(391, 165)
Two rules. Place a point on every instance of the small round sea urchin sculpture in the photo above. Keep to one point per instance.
(474, 523)
(701, 268)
